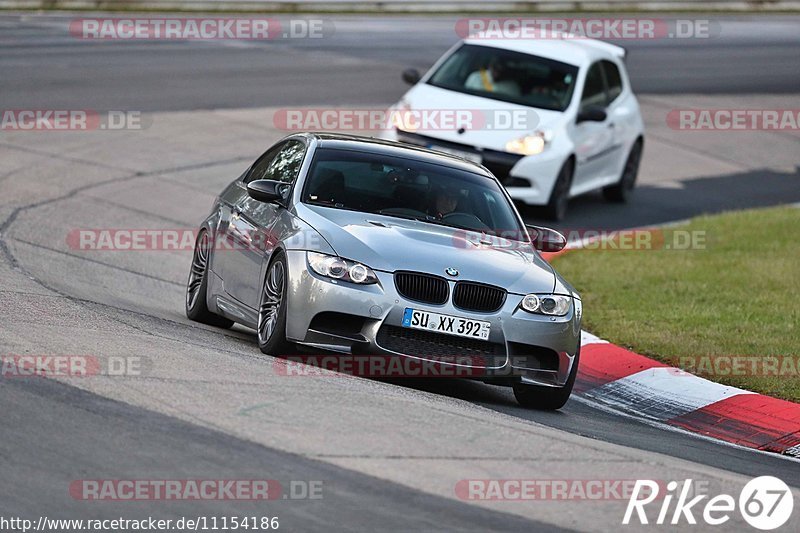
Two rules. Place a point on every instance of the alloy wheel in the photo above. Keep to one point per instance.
(271, 299)
(198, 271)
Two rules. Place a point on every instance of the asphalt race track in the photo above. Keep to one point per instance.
(208, 404)
(362, 58)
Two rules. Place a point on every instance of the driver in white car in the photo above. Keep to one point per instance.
(491, 80)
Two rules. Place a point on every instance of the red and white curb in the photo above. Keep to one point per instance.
(629, 383)
(644, 388)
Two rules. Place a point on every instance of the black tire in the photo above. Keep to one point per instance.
(556, 208)
(547, 398)
(621, 191)
(197, 285)
(272, 309)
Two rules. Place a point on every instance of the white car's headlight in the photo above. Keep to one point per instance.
(529, 145)
(547, 304)
(403, 117)
(331, 266)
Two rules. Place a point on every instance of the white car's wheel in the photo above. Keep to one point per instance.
(620, 192)
(556, 208)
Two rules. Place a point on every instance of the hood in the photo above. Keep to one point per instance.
(390, 244)
(427, 97)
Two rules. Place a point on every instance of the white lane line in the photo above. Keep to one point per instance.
(662, 393)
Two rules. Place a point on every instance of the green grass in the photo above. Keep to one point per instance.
(737, 295)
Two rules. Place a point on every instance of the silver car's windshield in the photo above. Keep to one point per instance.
(411, 189)
(508, 76)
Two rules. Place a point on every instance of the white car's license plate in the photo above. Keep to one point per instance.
(450, 325)
(469, 156)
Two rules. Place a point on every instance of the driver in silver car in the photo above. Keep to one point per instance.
(445, 202)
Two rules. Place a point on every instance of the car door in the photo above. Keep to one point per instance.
(622, 112)
(250, 228)
(594, 141)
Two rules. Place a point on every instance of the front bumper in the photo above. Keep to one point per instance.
(527, 179)
(367, 319)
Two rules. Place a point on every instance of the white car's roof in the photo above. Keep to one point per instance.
(575, 51)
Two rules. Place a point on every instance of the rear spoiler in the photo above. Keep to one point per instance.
(612, 49)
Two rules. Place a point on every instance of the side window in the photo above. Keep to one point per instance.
(286, 165)
(594, 90)
(614, 80)
(259, 169)
(281, 163)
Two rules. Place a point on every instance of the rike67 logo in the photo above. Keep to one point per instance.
(766, 503)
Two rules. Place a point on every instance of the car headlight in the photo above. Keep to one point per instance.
(529, 145)
(403, 117)
(331, 266)
(547, 304)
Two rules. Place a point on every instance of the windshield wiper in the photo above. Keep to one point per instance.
(335, 206)
(430, 220)
(399, 215)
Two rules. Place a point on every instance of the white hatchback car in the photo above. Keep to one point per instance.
(588, 130)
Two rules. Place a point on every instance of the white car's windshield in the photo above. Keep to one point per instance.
(411, 189)
(508, 76)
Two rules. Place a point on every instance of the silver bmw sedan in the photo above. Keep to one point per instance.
(371, 248)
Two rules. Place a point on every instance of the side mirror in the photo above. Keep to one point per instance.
(546, 239)
(411, 76)
(267, 190)
(591, 113)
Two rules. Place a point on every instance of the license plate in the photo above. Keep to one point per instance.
(449, 325)
(469, 156)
